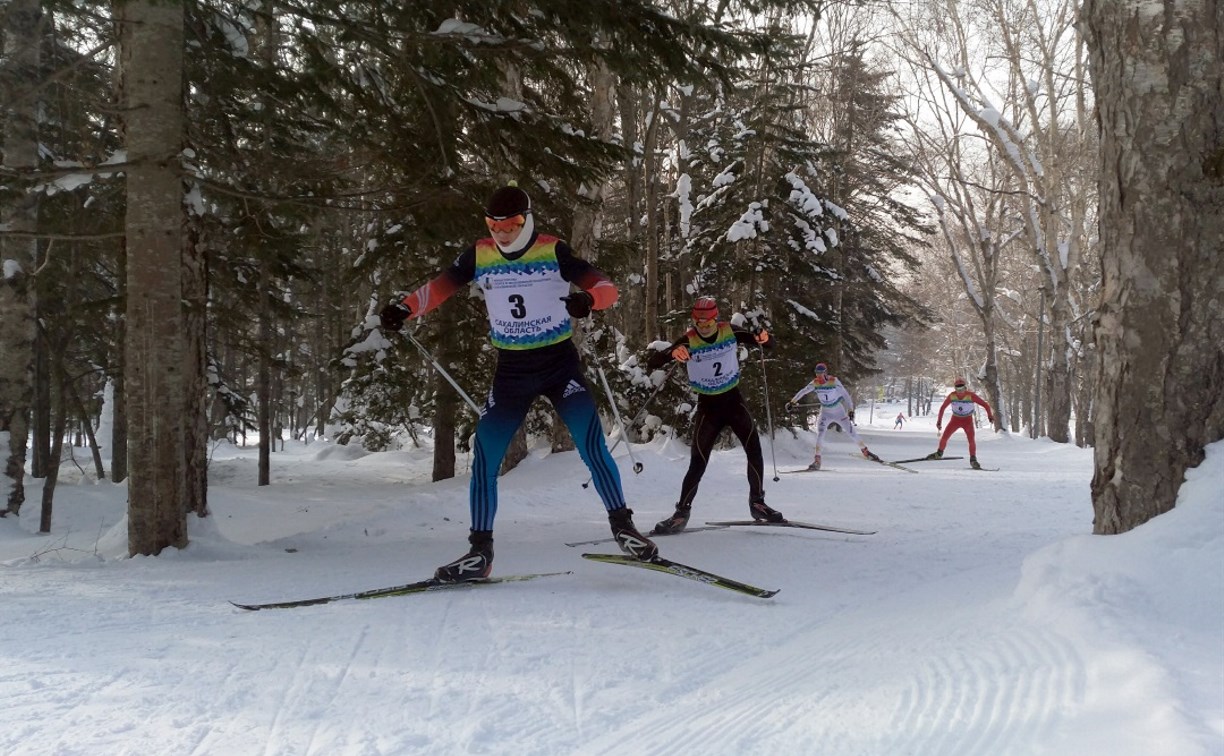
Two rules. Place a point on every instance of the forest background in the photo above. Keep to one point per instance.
(204, 205)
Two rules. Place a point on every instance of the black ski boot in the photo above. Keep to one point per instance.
(675, 523)
(937, 454)
(628, 538)
(761, 512)
(474, 565)
(870, 455)
(974, 463)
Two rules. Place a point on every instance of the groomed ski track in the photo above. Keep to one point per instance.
(931, 637)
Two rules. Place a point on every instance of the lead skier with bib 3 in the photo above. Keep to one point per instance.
(709, 351)
(526, 278)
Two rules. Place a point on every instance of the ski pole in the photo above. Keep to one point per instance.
(641, 413)
(442, 371)
(637, 466)
(768, 415)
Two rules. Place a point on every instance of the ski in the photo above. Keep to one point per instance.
(421, 586)
(652, 534)
(803, 470)
(659, 564)
(985, 469)
(790, 524)
(923, 459)
(882, 462)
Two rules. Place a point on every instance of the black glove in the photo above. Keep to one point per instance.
(393, 316)
(850, 415)
(578, 304)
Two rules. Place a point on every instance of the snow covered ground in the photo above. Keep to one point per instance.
(982, 618)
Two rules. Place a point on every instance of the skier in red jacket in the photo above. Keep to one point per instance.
(961, 400)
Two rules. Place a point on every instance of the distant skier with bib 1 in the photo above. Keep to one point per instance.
(526, 278)
(836, 406)
(709, 351)
(961, 401)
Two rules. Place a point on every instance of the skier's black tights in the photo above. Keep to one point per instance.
(713, 414)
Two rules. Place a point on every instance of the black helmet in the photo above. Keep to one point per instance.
(508, 202)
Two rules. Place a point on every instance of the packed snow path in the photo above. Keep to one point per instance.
(981, 619)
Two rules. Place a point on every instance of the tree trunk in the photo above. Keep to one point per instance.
(446, 399)
(18, 253)
(516, 452)
(1058, 377)
(40, 410)
(119, 448)
(82, 413)
(651, 189)
(195, 376)
(446, 407)
(57, 446)
(1160, 328)
(585, 237)
(263, 381)
(152, 103)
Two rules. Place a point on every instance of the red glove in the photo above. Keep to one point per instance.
(939, 426)
(762, 337)
(680, 353)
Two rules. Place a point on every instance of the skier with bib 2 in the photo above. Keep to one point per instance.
(708, 350)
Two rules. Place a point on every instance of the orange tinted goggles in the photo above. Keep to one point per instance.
(706, 321)
(505, 225)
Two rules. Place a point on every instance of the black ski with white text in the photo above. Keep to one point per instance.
(883, 462)
(597, 541)
(924, 459)
(421, 586)
(667, 566)
(789, 524)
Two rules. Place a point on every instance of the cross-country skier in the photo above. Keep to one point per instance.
(836, 406)
(961, 401)
(709, 351)
(526, 278)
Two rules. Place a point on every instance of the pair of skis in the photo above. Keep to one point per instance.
(724, 524)
(945, 459)
(658, 564)
(421, 586)
(865, 459)
(898, 464)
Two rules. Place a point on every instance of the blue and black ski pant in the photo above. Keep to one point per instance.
(554, 372)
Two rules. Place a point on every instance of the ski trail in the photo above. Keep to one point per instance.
(328, 698)
(984, 690)
(274, 740)
(961, 688)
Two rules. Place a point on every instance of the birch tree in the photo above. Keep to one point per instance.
(1013, 68)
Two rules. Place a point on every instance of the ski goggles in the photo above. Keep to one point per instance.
(506, 225)
(706, 321)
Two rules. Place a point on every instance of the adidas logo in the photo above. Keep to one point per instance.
(573, 387)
